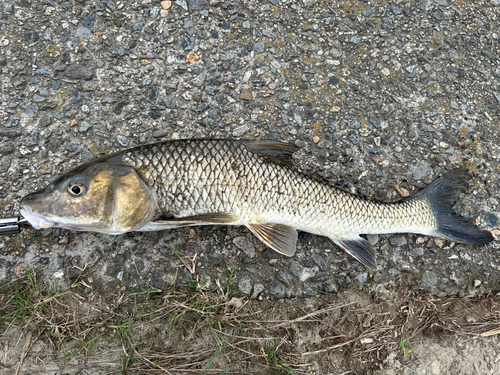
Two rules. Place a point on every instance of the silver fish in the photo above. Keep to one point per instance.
(238, 182)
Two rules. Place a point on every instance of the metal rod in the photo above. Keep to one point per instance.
(12, 225)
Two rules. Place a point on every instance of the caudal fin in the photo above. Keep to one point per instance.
(442, 195)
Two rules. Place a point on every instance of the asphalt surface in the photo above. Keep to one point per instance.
(382, 99)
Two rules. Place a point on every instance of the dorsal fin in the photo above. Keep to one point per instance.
(278, 151)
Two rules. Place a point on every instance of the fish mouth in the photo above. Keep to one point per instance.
(37, 221)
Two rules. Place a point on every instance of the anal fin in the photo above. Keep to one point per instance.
(279, 237)
(358, 248)
(205, 219)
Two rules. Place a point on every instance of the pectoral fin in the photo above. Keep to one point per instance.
(279, 237)
(359, 248)
(207, 219)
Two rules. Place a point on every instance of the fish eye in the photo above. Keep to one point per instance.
(77, 186)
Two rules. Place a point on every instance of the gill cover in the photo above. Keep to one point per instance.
(134, 204)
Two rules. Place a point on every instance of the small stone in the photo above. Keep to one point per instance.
(166, 4)
(331, 288)
(429, 279)
(5, 162)
(435, 367)
(362, 277)
(43, 71)
(182, 4)
(295, 268)
(417, 253)
(368, 12)
(372, 239)
(320, 262)
(117, 50)
(491, 219)
(119, 260)
(153, 13)
(374, 121)
(245, 285)
(410, 68)
(187, 44)
(277, 289)
(259, 47)
(438, 16)
(44, 121)
(77, 71)
(355, 39)
(38, 98)
(7, 9)
(386, 72)
(315, 139)
(202, 108)
(257, 290)
(119, 276)
(56, 265)
(199, 80)
(245, 245)
(300, 143)
(334, 81)
(393, 272)
(477, 283)
(89, 22)
(123, 141)
(306, 26)
(421, 171)
(155, 115)
(12, 122)
(83, 33)
(160, 133)
(319, 279)
(497, 95)
(84, 126)
(285, 96)
(246, 95)
(191, 58)
(398, 240)
(439, 242)
(171, 103)
(240, 130)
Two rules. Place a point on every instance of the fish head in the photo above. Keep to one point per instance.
(98, 197)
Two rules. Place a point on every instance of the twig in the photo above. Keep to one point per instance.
(25, 351)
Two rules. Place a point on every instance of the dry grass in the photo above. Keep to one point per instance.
(198, 331)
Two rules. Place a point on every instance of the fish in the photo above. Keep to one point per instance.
(253, 183)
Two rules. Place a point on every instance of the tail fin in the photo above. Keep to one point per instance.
(442, 195)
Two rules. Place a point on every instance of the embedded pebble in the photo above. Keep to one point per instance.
(429, 279)
(421, 171)
(245, 245)
(245, 285)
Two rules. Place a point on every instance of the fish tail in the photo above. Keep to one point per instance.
(442, 195)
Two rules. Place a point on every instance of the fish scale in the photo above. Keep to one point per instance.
(238, 182)
(341, 213)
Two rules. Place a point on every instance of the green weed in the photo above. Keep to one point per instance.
(273, 360)
(404, 341)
